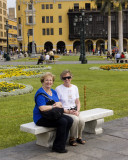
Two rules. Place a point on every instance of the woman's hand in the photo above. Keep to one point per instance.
(74, 112)
(58, 104)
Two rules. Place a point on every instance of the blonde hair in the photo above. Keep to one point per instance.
(65, 72)
(46, 75)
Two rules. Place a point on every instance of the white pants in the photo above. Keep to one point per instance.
(77, 126)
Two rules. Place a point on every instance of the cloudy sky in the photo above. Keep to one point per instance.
(11, 3)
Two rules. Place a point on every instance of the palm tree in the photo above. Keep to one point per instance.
(120, 23)
(106, 7)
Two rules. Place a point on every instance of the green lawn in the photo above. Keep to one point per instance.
(104, 89)
(62, 58)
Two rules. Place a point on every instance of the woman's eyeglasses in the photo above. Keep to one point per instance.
(64, 78)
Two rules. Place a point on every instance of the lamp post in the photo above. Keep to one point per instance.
(28, 41)
(82, 21)
(7, 28)
(103, 34)
(33, 43)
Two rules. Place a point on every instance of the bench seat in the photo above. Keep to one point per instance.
(94, 120)
(123, 60)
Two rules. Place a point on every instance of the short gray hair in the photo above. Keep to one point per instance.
(65, 72)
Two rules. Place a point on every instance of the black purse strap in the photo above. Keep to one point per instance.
(43, 94)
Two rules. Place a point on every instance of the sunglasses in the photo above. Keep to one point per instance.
(64, 78)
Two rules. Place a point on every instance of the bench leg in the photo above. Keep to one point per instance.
(46, 139)
(94, 126)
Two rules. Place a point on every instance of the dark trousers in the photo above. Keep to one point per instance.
(62, 126)
(40, 61)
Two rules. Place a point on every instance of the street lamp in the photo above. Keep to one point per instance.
(7, 28)
(33, 43)
(28, 41)
(82, 21)
(103, 34)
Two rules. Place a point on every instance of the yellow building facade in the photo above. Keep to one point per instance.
(51, 25)
(12, 35)
(3, 17)
(47, 24)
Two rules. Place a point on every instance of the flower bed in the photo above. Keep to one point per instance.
(10, 73)
(114, 66)
(20, 71)
(7, 87)
(12, 89)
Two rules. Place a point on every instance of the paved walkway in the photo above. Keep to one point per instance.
(57, 62)
(111, 145)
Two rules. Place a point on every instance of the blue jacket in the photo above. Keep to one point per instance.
(40, 101)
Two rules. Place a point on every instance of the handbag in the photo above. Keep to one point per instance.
(52, 114)
(73, 108)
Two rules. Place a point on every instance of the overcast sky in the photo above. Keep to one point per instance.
(11, 3)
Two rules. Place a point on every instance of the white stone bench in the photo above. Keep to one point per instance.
(94, 120)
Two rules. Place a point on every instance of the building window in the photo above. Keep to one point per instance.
(4, 13)
(19, 32)
(113, 18)
(60, 31)
(47, 6)
(19, 20)
(30, 6)
(60, 19)
(47, 31)
(47, 19)
(2, 34)
(112, 6)
(52, 31)
(10, 26)
(15, 27)
(19, 7)
(43, 19)
(51, 6)
(59, 6)
(1, 26)
(99, 5)
(43, 31)
(30, 19)
(5, 34)
(30, 31)
(99, 18)
(43, 6)
(4, 5)
(87, 6)
(76, 6)
(51, 19)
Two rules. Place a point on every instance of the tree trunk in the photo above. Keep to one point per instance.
(109, 34)
(120, 24)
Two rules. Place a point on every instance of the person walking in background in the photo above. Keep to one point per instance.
(69, 97)
(41, 59)
(117, 57)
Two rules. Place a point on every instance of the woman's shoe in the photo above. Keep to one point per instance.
(72, 142)
(80, 141)
(59, 151)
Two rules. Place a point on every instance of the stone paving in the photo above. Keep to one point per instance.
(111, 145)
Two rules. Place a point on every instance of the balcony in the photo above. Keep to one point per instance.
(19, 38)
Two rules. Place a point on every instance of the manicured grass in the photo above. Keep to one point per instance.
(62, 58)
(104, 89)
(76, 58)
